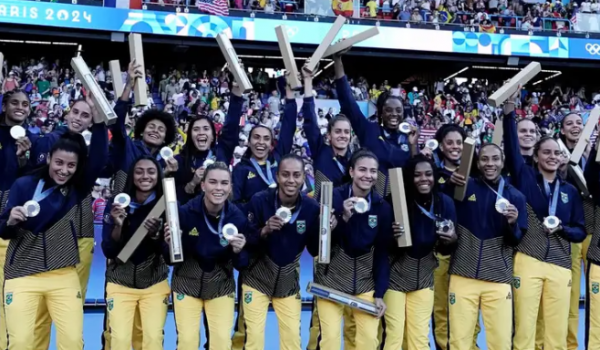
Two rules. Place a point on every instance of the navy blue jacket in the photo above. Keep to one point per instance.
(48, 241)
(485, 247)
(324, 158)
(555, 247)
(246, 181)
(359, 246)
(592, 179)
(222, 152)
(371, 136)
(207, 270)
(412, 267)
(275, 258)
(147, 266)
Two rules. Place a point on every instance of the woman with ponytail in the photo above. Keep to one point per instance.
(542, 267)
(140, 283)
(40, 219)
(257, 172)
(201, 147)
(330, 163)
(570, 132)
(330, 160)
(16, 107)
(80, 118)
(392, 148)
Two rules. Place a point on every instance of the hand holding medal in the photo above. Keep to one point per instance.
(235, 239)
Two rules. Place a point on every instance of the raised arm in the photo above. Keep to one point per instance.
(311, 126)
(288, 124)
(228, 139)
(98, 153)
(361, 126)
(592, 174)
(512, 152)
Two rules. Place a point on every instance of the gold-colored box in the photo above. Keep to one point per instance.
(325, 222)
(400, 206)
(233, 62)
(323, 292)
(105, 111)
(136, 52)
(465, 167)
(171, 208)
(140, 233)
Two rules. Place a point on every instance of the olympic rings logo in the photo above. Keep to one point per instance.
(593, 49)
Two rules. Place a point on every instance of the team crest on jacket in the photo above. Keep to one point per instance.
(452, 298)
(180, 296)
(595, 287)
(78, 295)
(404, 147)
(564, 197)
(251, 217)
(166, 301)
(110, 304)
(194, 232)
(372, 221)
(248, 297)
(517, 282)
(9, 298)
(300, 226)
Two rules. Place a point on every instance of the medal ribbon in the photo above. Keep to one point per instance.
(221, 221)
(339, 165)
(39, 196)
(429, 213)
(267, 179)
(402, 139)
(553, 202)
(133, 206)
(500, 189)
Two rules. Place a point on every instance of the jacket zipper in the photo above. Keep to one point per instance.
(276, 280)
(354, 280)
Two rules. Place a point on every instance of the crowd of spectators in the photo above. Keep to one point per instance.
(553, 15)
(52, 86)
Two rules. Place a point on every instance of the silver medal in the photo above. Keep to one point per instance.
(32, 208)
(166, 153)
(87, 136)
(501, 205)
(17, 131)
(432, 144)
(444, 225)
(285, 214)
(361, 206)
(208, 162)
(405, 128)
(123, 200)
(551, 222)
(229, 231)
